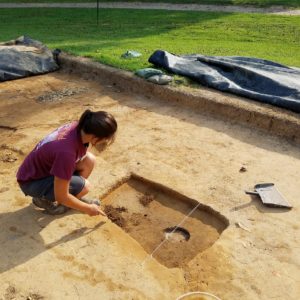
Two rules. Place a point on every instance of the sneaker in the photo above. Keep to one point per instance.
(51, 208)
(91, 201)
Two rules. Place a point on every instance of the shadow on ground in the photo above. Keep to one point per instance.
(21, 239)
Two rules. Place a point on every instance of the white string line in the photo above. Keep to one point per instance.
(165, 239)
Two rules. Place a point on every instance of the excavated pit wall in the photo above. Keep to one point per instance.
(273, 120)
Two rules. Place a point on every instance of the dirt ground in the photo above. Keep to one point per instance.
(75, 256)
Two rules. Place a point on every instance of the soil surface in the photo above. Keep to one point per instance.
(278, 10)
(75, 256)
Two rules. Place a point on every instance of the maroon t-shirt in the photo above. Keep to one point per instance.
(55, 155)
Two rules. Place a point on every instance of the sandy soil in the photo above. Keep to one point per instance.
(78, 257)
(278, 10)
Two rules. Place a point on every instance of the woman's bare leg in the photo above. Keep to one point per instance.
(86, 165)
(84, 169)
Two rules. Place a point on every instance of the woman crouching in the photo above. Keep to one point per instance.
(55, 172)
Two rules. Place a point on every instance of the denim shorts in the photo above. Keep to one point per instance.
(44, 188)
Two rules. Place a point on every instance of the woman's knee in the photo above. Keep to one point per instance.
(91, 159)
(86, 165)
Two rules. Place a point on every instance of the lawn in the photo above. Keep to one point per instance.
(263, 3)
(75, 31)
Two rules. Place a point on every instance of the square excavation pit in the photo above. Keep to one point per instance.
(149, 212)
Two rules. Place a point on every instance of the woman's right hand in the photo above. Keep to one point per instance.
(94, 210)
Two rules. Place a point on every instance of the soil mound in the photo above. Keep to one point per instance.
(114, 214)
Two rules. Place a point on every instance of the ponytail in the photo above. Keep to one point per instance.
(87, 115)
(100, 123)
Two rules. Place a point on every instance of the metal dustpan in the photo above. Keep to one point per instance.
(269, 195)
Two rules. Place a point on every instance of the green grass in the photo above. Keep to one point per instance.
(262, 3)
(75, 31)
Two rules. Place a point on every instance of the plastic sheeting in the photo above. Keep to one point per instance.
(258, 79)
(25, 57)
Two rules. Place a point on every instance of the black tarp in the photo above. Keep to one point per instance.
(258, 79)
(25, 57)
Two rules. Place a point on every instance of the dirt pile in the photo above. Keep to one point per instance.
(146, 199)
(114, 214)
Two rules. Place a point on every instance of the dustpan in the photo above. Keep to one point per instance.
(269, 195)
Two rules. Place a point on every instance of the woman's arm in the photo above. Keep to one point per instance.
(62, 196)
